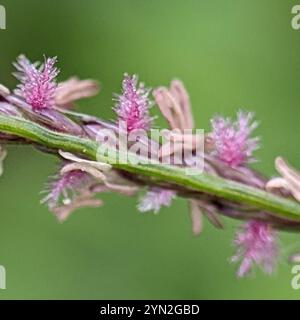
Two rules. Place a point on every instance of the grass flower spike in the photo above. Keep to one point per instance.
(156, 198)
(39, 114)
(133, 105)
(256, 244)
(38, 84)
(233, 144)
(234, 147)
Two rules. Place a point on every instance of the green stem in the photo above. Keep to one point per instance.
(158, 173)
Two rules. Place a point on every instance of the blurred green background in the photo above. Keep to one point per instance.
(230, 54)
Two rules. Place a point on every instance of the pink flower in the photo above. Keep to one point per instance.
(233, 145)
(70, 191)
(38, 84)
(256, 244)
(64, 187)
(133, 105)
(155, 198)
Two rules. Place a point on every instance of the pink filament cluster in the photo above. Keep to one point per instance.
(256, 244)
(65, 187)
(37, 83)
(232, 141)
(155, 198)
(133, 105)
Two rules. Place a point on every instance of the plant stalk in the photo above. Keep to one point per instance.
(158, 173)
